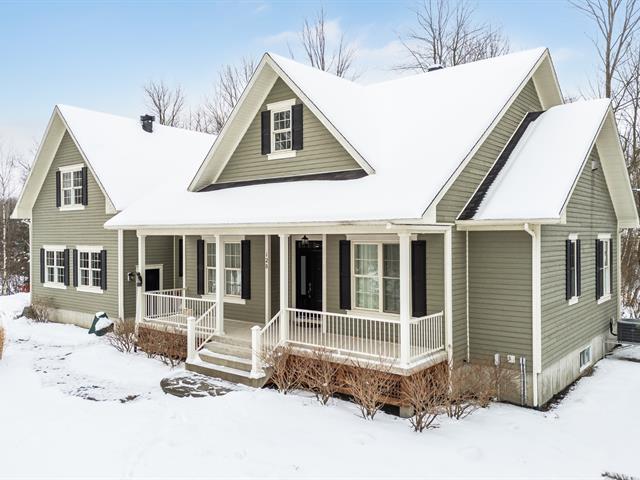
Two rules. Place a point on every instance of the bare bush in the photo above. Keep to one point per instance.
(426, 393)
(169, 345)
(40, 310)
(470, 387)
(369, 388)
(1, 341)
(320, 375)
(123, 336)
(286, 368)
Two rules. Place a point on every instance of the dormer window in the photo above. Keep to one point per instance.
(71, 187)
(281, 126)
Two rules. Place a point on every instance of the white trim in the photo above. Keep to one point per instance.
(573, 236)
(120, 274)
(89, 249)
(142, 258)
(153, 266)
(536, 305)
(604, 299)
(590, 362)
(448, 293)
(573, 300)
(280, 154)
(184, 263)
(378, 238)
(71, 168)
(467, 292)
(604, 236)
(380, 276)
(373, 314)
(60, 286)
(281, 105)
(54, 247)
(71, 208)
(324, 272)
(220, 297)
(88, 289)
(267, 278)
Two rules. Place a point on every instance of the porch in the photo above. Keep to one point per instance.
(401, 341)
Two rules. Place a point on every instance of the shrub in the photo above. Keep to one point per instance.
(123, 336)
(369, 388)
(166, 343)
(426, 393)
(285, 368)
(40, 310)
(320, 375)
(472, 386)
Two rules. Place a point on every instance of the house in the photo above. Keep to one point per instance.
(90, 166)
(466, 214)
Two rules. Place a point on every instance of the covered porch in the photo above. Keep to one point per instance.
(376, 298)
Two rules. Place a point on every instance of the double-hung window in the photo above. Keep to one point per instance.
(90, 268)
(210, 268)
(281, 130)
(54, 267)
(376, 272)
(232, 269)
(573, 270)
(603, 267)
(71, 186)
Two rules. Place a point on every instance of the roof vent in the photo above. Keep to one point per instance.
(147, 122)
(434, 67)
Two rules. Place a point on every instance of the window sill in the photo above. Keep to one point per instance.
(71, 208)
(88, 289)
(604, 299)
(281, 155)
(227, 299)
(573, 300)
(59, 286)
(585, 366)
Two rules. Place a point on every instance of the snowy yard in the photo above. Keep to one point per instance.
(73, 407)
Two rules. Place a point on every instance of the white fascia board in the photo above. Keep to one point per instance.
(489, 225)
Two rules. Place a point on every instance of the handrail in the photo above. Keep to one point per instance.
(263, 341)
(346, 315)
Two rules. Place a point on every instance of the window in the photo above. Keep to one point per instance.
(71, 186)
(232, 269)
(377, 265)
(281, 130)
(89, 268)
(573, 269)
(585, 358)
(210, 268)
(54, 267)
(603, 267)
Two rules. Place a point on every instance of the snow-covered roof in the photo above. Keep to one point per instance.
(126, 161)
(412, 134)
(539, 175)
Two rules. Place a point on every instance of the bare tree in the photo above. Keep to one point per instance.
(165, 103)
(447, 34)
(314, 40)
(617, 24)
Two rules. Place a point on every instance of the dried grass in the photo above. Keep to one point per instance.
(40, 310)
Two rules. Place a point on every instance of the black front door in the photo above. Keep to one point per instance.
(152, 279)
(309, 275)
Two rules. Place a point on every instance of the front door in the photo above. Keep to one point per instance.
(309, 275)
(151, 279)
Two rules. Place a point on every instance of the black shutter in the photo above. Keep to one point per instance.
(200, 267)
(85, 188)
(58, 190)
(598, 269)
(180, 256)
(419, 278)
(345, 274)
(578, 287)
(265, 125)
(65, 259)
(296, 127)
(42, 265)
(568, 275)
(75, 267)
(103, 269)
(245, 261)
(611, 266)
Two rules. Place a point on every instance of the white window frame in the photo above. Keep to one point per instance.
(88, 249)
(232, 269)
(229, 239)
(379, 243)
(70, 169)
(274, 108)
(208, 267)
(587, 364)
(574, 238)
(56, 249)
(605, 238)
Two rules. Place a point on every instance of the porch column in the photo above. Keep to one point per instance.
(448, 293)
(284, 286)
(142, 257)
(405, 297)
(219, 285)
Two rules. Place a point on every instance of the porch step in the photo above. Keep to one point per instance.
(224, 360)
(229, 340)
(242, 351)
(226, 373)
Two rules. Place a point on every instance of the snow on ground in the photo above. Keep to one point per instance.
(50, 427)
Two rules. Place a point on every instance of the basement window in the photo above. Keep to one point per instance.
(585, 358)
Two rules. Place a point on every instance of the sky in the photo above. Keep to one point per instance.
(99, 54)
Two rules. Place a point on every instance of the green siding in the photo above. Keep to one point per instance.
(72, 228)
(435, 272)
(465, 185)
(321, 153)
(589, 212)
(500, 296)
(130, 260)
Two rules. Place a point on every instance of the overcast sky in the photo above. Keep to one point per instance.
(98, 55)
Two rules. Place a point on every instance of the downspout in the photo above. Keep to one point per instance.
(536, 316)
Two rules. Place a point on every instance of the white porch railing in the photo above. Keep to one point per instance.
(427, 335)
(172, 308)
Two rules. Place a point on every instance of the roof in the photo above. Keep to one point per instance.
(126, 161)
(538, 178)
(411, 134)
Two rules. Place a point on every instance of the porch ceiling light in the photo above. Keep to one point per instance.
(304, 241)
